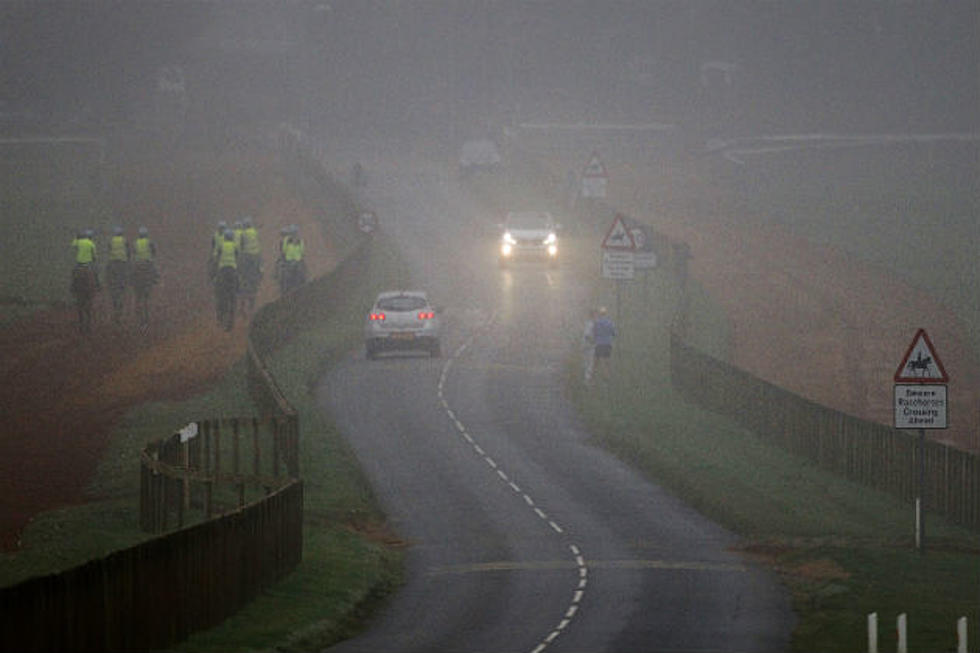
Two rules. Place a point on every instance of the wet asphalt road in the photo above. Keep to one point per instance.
(524, 537)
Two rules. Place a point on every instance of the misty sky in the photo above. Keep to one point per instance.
(414, 64)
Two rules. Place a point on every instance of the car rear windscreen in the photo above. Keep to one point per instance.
(401, 304)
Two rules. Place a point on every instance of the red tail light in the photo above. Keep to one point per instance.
(426, 315)
(377, 317)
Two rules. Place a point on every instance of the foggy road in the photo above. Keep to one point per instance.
(523, 536)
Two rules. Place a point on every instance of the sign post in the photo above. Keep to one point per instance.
(921, 403)
(594, 178)
(617, 256)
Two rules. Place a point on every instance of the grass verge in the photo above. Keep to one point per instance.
(843, 550)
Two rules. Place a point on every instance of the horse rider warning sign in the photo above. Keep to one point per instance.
(921, 363)
(920, 387)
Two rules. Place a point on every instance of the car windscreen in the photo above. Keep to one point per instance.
(402, 303)
(529, 221)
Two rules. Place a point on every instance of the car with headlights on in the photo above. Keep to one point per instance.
(402, 320)
(529, 235)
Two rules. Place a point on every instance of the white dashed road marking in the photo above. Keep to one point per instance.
(583, 570)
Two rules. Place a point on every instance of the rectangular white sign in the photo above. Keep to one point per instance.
(188, 432)
(617, 264)
(594, 187)
(645, 260)
(922, 406)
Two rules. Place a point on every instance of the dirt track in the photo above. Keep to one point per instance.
(62, 392)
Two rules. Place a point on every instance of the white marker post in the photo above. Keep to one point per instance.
(873, 632)
(901, 624)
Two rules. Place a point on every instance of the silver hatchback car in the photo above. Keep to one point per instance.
(402, 320)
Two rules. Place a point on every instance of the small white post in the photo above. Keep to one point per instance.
(902, 625)
(873, 632)
(961, 635)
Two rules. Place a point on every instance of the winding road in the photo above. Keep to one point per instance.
(524, 537)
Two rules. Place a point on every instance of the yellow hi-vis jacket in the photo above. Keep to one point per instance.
(216, 239)
(293, 250)
(250, 241)
(228, 254)
(84, 250)
(142, 250)
(118, 249)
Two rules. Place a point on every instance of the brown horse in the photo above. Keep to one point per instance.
(117, 278)
(250, 271)
(84, 285)
(225, 296)
(144, 278)
(292, 275)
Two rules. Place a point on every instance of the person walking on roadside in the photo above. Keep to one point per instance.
(588, 347)
(603, 333)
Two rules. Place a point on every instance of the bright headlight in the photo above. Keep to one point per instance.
(506, 249)
(552, 250)
(551, 239)
(509, 239)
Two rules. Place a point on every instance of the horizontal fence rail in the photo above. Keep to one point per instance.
(219, 468)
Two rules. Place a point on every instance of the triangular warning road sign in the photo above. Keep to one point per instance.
(594, 168)
(618, 236)
(921, 363)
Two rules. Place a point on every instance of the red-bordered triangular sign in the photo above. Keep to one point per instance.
(618, 236)
(921, 363)
(594, 169)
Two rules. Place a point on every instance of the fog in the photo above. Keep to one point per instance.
(425, 76)
(450, 68)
